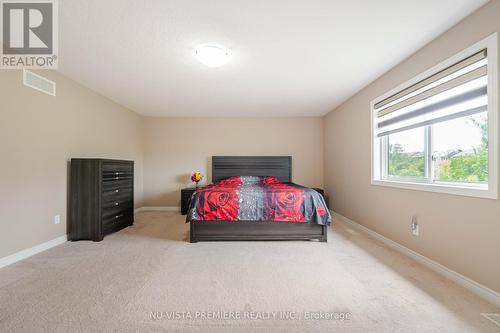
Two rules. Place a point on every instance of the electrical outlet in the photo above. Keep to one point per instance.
(414, 227)
(57, 219)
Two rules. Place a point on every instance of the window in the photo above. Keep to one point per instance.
(460, 150)
(406, 154)
(438, 132)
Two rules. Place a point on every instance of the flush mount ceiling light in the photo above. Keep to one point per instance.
(212, 55)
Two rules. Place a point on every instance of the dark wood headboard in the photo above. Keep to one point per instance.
(227, 166)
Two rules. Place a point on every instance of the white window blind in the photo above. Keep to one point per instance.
(457, 91)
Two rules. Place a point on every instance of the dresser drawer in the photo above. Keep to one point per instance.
(118, 203)
(117, 175)
(117, 194)
(118, 184)
(117, 167)
(116, 215)
(117, 223)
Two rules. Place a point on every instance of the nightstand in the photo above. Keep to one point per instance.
(322, 192)
(186, 194)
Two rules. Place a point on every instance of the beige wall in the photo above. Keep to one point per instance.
(38, 134)
(461, 233)
(175, 147)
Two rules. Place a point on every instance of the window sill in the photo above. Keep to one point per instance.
(464, 190)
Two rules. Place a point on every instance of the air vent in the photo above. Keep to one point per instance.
(493, 317)
(39, 83)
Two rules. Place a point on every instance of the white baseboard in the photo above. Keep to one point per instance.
(471, 285)
(158, 209)
(13, 258)
(9, 260)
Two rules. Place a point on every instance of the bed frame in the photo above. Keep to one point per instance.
(278, 166)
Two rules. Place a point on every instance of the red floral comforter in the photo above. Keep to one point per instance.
(251, 198)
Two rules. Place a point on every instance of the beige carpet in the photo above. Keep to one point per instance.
(117, 284)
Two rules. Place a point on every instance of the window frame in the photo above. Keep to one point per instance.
(379, 147)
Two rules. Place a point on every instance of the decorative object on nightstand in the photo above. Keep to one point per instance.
(196, 178)
(322, 192)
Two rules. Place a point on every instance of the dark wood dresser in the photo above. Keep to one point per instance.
(101, 197)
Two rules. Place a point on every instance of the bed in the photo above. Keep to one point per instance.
(254, 198)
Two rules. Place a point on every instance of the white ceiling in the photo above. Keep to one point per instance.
(289, 58)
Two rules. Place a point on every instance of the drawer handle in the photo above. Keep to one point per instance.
(116, 191)
(117, 177)
(118, 216)
(116, 203)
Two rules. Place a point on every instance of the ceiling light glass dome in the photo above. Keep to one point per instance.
(212, 55)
